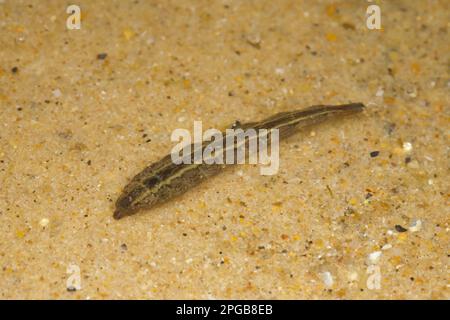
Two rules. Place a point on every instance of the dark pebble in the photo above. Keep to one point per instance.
(374, 154)
(71, 289)
(102, 56)
(15, 70)
(399, 228)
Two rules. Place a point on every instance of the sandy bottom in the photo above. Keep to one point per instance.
(83, 111)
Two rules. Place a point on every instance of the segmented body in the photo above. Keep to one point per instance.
(164, 179)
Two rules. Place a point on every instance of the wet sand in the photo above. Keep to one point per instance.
(358, 209)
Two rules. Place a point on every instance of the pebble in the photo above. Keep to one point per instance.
(327, 278)
(374, 154)
(380, 92)
(254, 39)
(374, 256)
(416, 226)
(399, 228)
(412, 92)
(407, 146)
(56, 93)
(386, 246)
(413, 164)
(44, 222)
(279, 71)
(102, 56)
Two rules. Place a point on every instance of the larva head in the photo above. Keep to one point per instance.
(135, 197)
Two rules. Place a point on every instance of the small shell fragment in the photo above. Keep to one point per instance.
(416, 226)
(327, 278)
(374, 256)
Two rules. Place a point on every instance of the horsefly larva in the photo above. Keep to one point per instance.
(164, 179)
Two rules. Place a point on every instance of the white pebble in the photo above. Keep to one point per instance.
(279, 71)
(327, 278)
(380, 92)
(416, 226)
(254, 38)
(412, 92)
(56, 93)
(44, 222)
(413, 164)
(407, 146)
(374, 256)
(387, 246)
